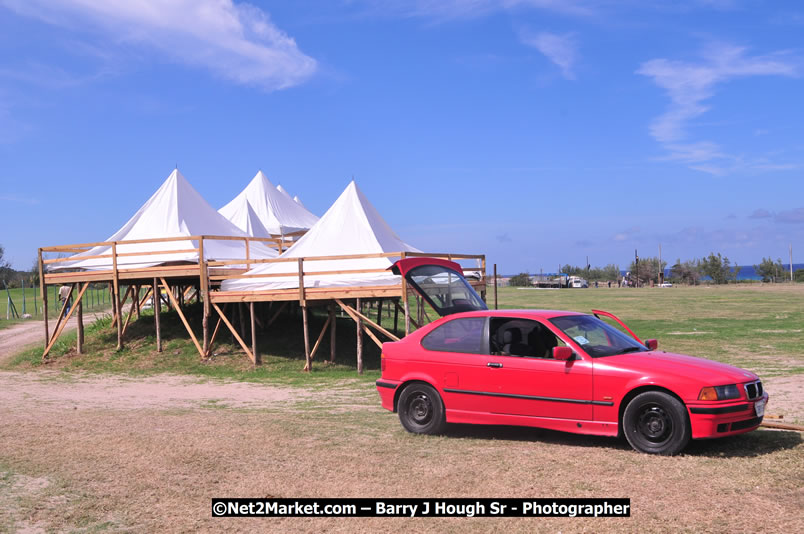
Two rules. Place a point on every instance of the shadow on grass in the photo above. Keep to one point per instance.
(752, 444)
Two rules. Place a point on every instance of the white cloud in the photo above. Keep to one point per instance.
(560, 49)
(690, 85)
(236, 41)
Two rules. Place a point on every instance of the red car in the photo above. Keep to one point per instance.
(554, 369)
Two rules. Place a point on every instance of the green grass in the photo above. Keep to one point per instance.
(95, 298)
(757, 328)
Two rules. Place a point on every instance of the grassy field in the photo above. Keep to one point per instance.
(103, 442)
(31, 302)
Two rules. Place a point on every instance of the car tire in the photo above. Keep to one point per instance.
(421, 410)
(655, 422)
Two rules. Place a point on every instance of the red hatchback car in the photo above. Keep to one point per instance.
(554, 369)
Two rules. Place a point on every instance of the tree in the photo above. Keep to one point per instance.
(649, 269)
(5, 268)
(718, 268)
(769, 271)
(688, 272)
(798, 276)
(520, 280)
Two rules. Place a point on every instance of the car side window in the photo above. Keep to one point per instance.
(522, 337)
(458, 335)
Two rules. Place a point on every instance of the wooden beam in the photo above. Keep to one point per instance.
(63, 308)
(157, 305)
(57, 333)
(359, 342)
(234, 333)
(369, 321)
(215, 333)
(257, 359)
(308, 359)
(182, 317)
(408, 318)
(117, 304)
(332, 334)
(134, 302)
(282, 307)
(79, 343)
(43, 292)
(320, 337)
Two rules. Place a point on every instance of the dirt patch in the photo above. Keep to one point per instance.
(786, 397)
(123, 393)
(18, 337)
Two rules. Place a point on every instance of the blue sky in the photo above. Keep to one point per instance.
(537, 132)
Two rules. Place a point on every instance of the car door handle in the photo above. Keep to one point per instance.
(496, 365)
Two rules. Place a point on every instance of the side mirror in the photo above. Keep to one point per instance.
(562, 353)
(652, 344)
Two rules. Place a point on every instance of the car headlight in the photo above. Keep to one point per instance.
(719, 393)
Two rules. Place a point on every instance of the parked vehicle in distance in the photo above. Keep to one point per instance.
(553, 369)
(665, 284)
(577, 281)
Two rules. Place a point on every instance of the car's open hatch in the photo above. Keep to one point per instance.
(441, 283)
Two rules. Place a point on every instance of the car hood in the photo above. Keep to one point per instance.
(690, 367)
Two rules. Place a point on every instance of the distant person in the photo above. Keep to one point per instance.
(595, 284)
(65, 296)
(609, 284)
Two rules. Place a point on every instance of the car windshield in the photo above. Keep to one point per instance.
(596, 337)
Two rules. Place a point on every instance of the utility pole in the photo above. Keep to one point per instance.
(636, 262)
(791, 262)
(661, 267)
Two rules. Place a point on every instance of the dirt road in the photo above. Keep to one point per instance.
(17, 337)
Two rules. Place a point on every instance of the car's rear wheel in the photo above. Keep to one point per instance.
(421, 409)
(656, 423)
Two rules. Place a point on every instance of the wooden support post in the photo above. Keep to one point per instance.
(182, 317)
(79, 345)
(242, 316)
(379, 311)
(308, 360)
(234, 333)
(215, 334)
(257, 359)
(117, 310)
(43, 291)
(157, 303)
(396, 316)
(359, 342)
(332, 338)
(60, 325)
(139, 290)
(204, 275)
(320, 337)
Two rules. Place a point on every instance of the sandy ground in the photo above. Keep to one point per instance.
(20, 336)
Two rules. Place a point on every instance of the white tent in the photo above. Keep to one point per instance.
(298, 201)
(276, 213)
(351, 226)
(175, 210)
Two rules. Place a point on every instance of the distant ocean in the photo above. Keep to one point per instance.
(747, 272)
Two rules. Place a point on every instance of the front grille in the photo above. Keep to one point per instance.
(748, 423)
(753, 390)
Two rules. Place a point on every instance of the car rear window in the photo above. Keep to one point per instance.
(458, 335)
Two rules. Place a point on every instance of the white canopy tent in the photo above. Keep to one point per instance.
(176, 209)
(262, 210)
(351, 226)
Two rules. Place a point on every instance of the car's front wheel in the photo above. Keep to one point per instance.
(656, 423)
(421, 409)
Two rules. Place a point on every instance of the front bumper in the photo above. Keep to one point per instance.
(714, 421)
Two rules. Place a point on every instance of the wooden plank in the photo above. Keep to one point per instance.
(282, 307)
(376, 326)
(257, 360)
(157, 305)
(320, 337)
(332, 332)
(43, 293)
(308, 359)
(134, 302)
(79, 341)
(782, 426)
(57, 333)
(116, 282)
(181, 316)
(359, 342)
(215, 333)
(204, 282)
(234, 333)
(356, 316)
